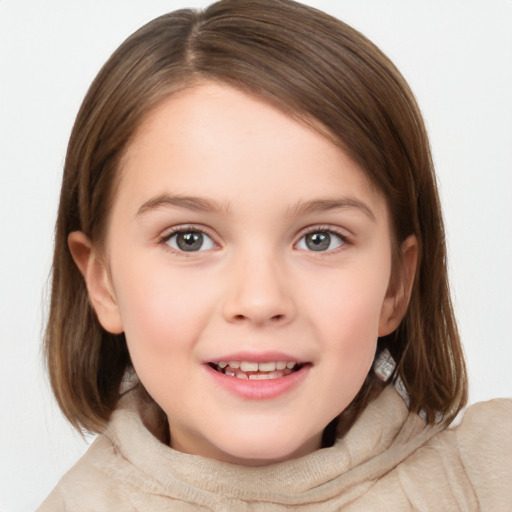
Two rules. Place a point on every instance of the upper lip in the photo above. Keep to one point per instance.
(261, 357)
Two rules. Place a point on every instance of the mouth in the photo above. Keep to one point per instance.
(251, 370)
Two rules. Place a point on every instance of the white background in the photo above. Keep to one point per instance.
(457, 56)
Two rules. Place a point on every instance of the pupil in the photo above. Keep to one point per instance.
(319, 241)
(191, 241)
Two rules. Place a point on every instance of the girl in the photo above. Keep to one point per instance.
(250, 301)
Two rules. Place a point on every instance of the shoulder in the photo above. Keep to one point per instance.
(91, 484)
(464, 467)
(484, 444)
(474, 458)
(484, 437)
(488, 423)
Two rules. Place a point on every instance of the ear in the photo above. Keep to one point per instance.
(97, 279)
(400, 288)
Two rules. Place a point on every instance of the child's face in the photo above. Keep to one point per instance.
(238, 234)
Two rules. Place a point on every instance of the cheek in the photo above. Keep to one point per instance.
(346, 314)
(349, 304)
(350, 313)
(162, 309)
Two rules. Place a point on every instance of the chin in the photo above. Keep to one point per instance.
(252, 452)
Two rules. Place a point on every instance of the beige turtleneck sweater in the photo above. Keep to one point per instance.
(388, 461)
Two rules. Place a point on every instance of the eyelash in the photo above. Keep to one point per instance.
(345, 239)
(163, 240)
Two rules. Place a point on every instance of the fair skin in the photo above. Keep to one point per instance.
(239, 234)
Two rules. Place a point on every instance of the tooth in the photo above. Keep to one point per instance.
(247, 366)
(231, 374)
(222, 364)
(280, 365)
(290, 365)
(263, 376)
(267, 367)
(275, 375)
(253, 376)
(241, 375)
(234, 364)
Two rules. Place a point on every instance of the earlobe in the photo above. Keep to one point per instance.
(99, 287)
(399, 293)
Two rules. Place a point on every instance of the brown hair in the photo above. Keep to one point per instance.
(313, 67)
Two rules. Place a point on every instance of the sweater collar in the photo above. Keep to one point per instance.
(362, 453)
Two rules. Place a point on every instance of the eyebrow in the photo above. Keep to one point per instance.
(198, 204)
(323, 205)
(201, 204)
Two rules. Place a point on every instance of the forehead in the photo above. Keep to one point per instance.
(212, 139)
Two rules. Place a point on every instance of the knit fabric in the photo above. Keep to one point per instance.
(388, 461)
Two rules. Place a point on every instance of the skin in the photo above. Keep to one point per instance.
(255, 286)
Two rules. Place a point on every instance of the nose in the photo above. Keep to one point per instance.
(258, 292)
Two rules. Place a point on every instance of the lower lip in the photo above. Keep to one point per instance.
(259, 389)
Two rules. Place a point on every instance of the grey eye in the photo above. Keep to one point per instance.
(190, 241)
(320, 241)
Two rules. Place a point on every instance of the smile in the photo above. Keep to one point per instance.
(258, 380)
(250, 370)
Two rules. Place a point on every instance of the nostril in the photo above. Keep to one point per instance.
(275, 318)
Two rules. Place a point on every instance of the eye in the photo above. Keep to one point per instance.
(320, 241)
(189, 241)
